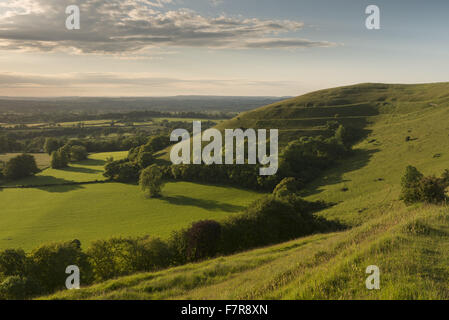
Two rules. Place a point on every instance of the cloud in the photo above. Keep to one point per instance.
(130, 26)
(12, 83)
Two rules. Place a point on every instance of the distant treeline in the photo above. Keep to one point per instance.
(303, 159)
(95, 138)
(202, 104)
(71, 116)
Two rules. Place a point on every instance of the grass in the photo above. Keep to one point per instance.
(409, 244)
(33, 216)
(83, 171)
(328, 266)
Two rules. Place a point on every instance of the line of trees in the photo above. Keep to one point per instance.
(303, 159)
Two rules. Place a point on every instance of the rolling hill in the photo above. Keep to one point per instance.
(402, 125)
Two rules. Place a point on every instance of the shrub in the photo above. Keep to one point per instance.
(417, 188)
(13, 262)
(152, 254)
(18, 288)
(49, 262)
(112, 258)
(432, 190)
(122, 256)
(269, 221)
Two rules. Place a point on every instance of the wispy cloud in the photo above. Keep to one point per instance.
(130, 26)
(13, 79)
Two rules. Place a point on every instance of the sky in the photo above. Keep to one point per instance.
(217, 47)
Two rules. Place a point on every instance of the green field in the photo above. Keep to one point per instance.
(32, 216)
(84, 171)
(409, 244)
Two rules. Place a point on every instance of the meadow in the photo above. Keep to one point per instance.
(33, 216)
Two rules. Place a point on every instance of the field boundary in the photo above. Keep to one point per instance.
(74, 183)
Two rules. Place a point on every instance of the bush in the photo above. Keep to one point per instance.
(122, 256)
(18, 288)
(13, 262)
(432, 190)
(152, 254)
(269, 221)
(417, 188)
(49, 262)
(112, 258)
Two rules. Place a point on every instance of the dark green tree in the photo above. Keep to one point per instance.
(151, 181)
(20, 166)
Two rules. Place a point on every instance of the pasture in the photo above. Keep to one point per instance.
(33, 216)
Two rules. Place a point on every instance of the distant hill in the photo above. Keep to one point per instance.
(354, 106)
(100, 104)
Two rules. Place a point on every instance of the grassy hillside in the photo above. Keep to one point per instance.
(409, 244)
(33, 216)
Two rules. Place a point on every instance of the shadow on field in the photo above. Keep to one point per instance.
(81, 170)
(55, 185)
(204, 204)
(92, 162)
(358, 160)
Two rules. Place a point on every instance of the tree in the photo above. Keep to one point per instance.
(128, 172)
(78, 153)
(21, 166)
(158, 143)
(51, 144)
(145, 159)
(4, 144)
(59, 159)
(288, 186)
(151, 180)
(409, 184)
